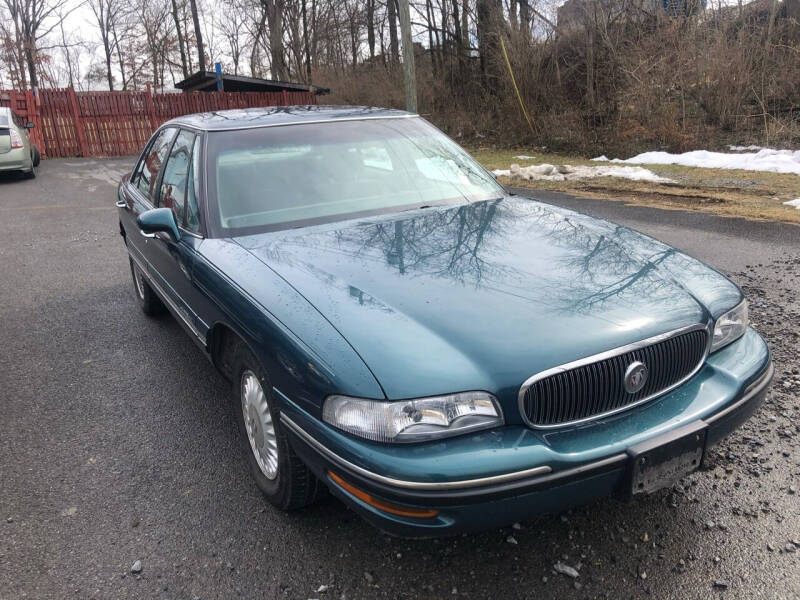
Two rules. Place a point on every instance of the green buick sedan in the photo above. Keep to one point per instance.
(398, 329)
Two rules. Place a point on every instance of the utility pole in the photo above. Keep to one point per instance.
(408, 56)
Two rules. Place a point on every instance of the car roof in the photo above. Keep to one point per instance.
(271, 116)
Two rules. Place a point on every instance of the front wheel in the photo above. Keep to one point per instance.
(149, 302)
(281, 476)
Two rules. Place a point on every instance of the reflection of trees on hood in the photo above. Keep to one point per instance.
(577, 264)
(610, 261)
(451, 243)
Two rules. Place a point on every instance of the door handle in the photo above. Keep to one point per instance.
(121, 204)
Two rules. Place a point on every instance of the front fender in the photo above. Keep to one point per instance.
(304, 355)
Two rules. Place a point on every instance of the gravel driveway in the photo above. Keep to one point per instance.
(117, 446)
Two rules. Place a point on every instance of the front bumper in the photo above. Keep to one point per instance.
(544, 471)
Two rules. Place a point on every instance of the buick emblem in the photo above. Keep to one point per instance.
(635, 377)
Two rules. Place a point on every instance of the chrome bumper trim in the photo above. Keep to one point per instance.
(415, 485)
(752, 390)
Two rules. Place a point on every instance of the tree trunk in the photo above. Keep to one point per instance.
(307, 45)
(459, 40)
(431, 26)
(109, 75)
(525, 17)
(354, 41)
(371, 27)
(30, 60)
(275, 21)
(257, 37)
(201, 56)
(119, 57)
(465, 25)
(590, 97)
(394, 48)
(488, 20)
(176, 18)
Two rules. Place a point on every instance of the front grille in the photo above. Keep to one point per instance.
(595, 388)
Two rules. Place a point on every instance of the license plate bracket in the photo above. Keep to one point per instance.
(663, 460)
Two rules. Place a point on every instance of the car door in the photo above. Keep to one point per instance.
(139, 193)
(172, 260)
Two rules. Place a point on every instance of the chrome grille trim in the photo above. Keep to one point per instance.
(610, 385)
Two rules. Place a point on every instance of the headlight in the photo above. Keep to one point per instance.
(730, 326)
(416, 420)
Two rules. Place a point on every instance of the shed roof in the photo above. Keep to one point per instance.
(206, 81)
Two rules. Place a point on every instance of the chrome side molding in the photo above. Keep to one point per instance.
(414, 485)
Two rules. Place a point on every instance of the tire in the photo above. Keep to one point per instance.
(30, 174)
(284, 479)
(148, 300)
(37, 158)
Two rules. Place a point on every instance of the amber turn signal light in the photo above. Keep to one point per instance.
(395, 509)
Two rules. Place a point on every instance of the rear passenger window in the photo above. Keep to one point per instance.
(176, 172)
(151, 163)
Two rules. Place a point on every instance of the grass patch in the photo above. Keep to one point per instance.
(749, 194)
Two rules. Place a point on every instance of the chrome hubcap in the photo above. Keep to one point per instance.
(138, 282)
(259, 425)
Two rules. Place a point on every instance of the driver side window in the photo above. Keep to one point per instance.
(176, 173)
(151, 162)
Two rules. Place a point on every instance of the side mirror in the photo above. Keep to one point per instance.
(159, 219)
(30, 125)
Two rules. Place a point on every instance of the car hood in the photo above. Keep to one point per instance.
(483, 295)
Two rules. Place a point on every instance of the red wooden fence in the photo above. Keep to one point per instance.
(70, 123)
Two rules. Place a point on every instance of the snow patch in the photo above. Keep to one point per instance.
(766, 159)
(524, 157)
(546, 172)
(795, 203)
(745, 148)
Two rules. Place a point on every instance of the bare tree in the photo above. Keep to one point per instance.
(13, 58)
(181, 39)
(232, 27)
(153, 20)
(107, 13)
(33, 20)
(119, 30)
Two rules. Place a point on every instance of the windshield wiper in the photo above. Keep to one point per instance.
(420, 207)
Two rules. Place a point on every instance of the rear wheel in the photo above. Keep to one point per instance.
(281, 476)
(37, 158)
(148, 300)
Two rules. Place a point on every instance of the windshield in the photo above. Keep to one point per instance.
(281, 177)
